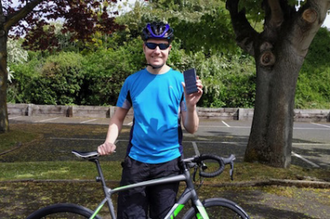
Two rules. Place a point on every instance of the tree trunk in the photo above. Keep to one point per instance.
(270, 139)
(4, 125)
(6, 22)
(279, 52)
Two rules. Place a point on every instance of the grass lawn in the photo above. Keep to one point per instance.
(38, 158)
(41, 170)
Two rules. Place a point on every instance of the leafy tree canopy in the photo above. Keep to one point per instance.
(82, 18)
(196, 23)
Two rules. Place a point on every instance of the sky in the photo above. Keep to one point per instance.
(326, 22)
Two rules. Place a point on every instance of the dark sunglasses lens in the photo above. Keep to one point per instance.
(151, 45)
(161, 46)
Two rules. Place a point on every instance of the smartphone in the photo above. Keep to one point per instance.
(190, 80)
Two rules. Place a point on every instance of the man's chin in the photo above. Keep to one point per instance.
(157, 64)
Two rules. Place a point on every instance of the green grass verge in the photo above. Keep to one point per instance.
(14, 138)
(77, 169)
(83, 170)
(57, 170)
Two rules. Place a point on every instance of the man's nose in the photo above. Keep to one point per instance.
(157, 49)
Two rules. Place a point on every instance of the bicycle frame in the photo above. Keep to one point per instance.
(188, 194)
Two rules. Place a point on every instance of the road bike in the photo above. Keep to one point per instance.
(212, 208)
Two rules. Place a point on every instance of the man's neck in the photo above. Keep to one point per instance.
(158, 71)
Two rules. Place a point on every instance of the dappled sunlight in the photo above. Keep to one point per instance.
(52, 173)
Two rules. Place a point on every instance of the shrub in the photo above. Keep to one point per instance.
(106, 71)
(55, 80)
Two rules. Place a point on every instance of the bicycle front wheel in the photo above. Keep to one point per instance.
(218, 208)
(62, 211)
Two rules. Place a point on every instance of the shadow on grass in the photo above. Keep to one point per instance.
(20, 199)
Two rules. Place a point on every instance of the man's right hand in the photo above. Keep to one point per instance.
(106, 148)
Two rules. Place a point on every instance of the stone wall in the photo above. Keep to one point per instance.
(107, 111)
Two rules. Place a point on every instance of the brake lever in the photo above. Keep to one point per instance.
(202, 167)
(231, 171)
(194, 174)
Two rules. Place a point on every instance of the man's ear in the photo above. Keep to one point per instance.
(169, 49)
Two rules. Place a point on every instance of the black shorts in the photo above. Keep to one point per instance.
(157, 200)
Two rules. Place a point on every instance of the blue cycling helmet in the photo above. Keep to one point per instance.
(157, 30)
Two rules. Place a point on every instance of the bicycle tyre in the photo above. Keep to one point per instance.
(62, 210)
(218, 208)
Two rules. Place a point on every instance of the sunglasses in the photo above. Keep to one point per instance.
(162, 46)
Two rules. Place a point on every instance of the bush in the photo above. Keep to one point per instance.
(95, 76)
(55, 80)
(313, 87)
(24, 74)
(106, 71)
(313, 92)
(228, 80)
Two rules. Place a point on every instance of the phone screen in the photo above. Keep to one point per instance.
(190, 80)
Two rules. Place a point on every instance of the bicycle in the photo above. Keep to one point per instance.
(213, 208)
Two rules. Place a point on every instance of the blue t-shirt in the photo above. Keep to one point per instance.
(156, 134)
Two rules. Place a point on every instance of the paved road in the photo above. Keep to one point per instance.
(311, 141)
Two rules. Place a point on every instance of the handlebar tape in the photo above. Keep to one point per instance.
(216, 158)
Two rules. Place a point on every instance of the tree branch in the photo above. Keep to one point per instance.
(276, 13)
(307, 23)
(22, 13)
(245, 34)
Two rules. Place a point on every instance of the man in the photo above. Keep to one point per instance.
(157, 95)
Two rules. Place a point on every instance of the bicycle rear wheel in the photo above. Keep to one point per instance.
(62, 211)
(218, 208)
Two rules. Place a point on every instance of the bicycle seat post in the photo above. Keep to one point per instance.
(104, 186)
(100, 177)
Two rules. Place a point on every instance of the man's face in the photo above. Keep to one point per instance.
(156, 55)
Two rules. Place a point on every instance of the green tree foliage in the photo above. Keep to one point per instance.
(106, 71)
(24, 73)
(229, 80)
(81, 18)
(15, 55)
(55, 80)
(196, 23)
(98, 68)
(313, 87)
(202, 34)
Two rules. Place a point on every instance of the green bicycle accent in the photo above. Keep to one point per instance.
(202, 213)
(98, 209)
(177, 211)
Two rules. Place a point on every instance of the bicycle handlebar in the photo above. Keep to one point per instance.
(93, 155)
(220, 160)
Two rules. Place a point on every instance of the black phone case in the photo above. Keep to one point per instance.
(190, 80)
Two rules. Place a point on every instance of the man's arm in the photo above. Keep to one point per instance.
(115, 125)
(190, 120)
(189, 116)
